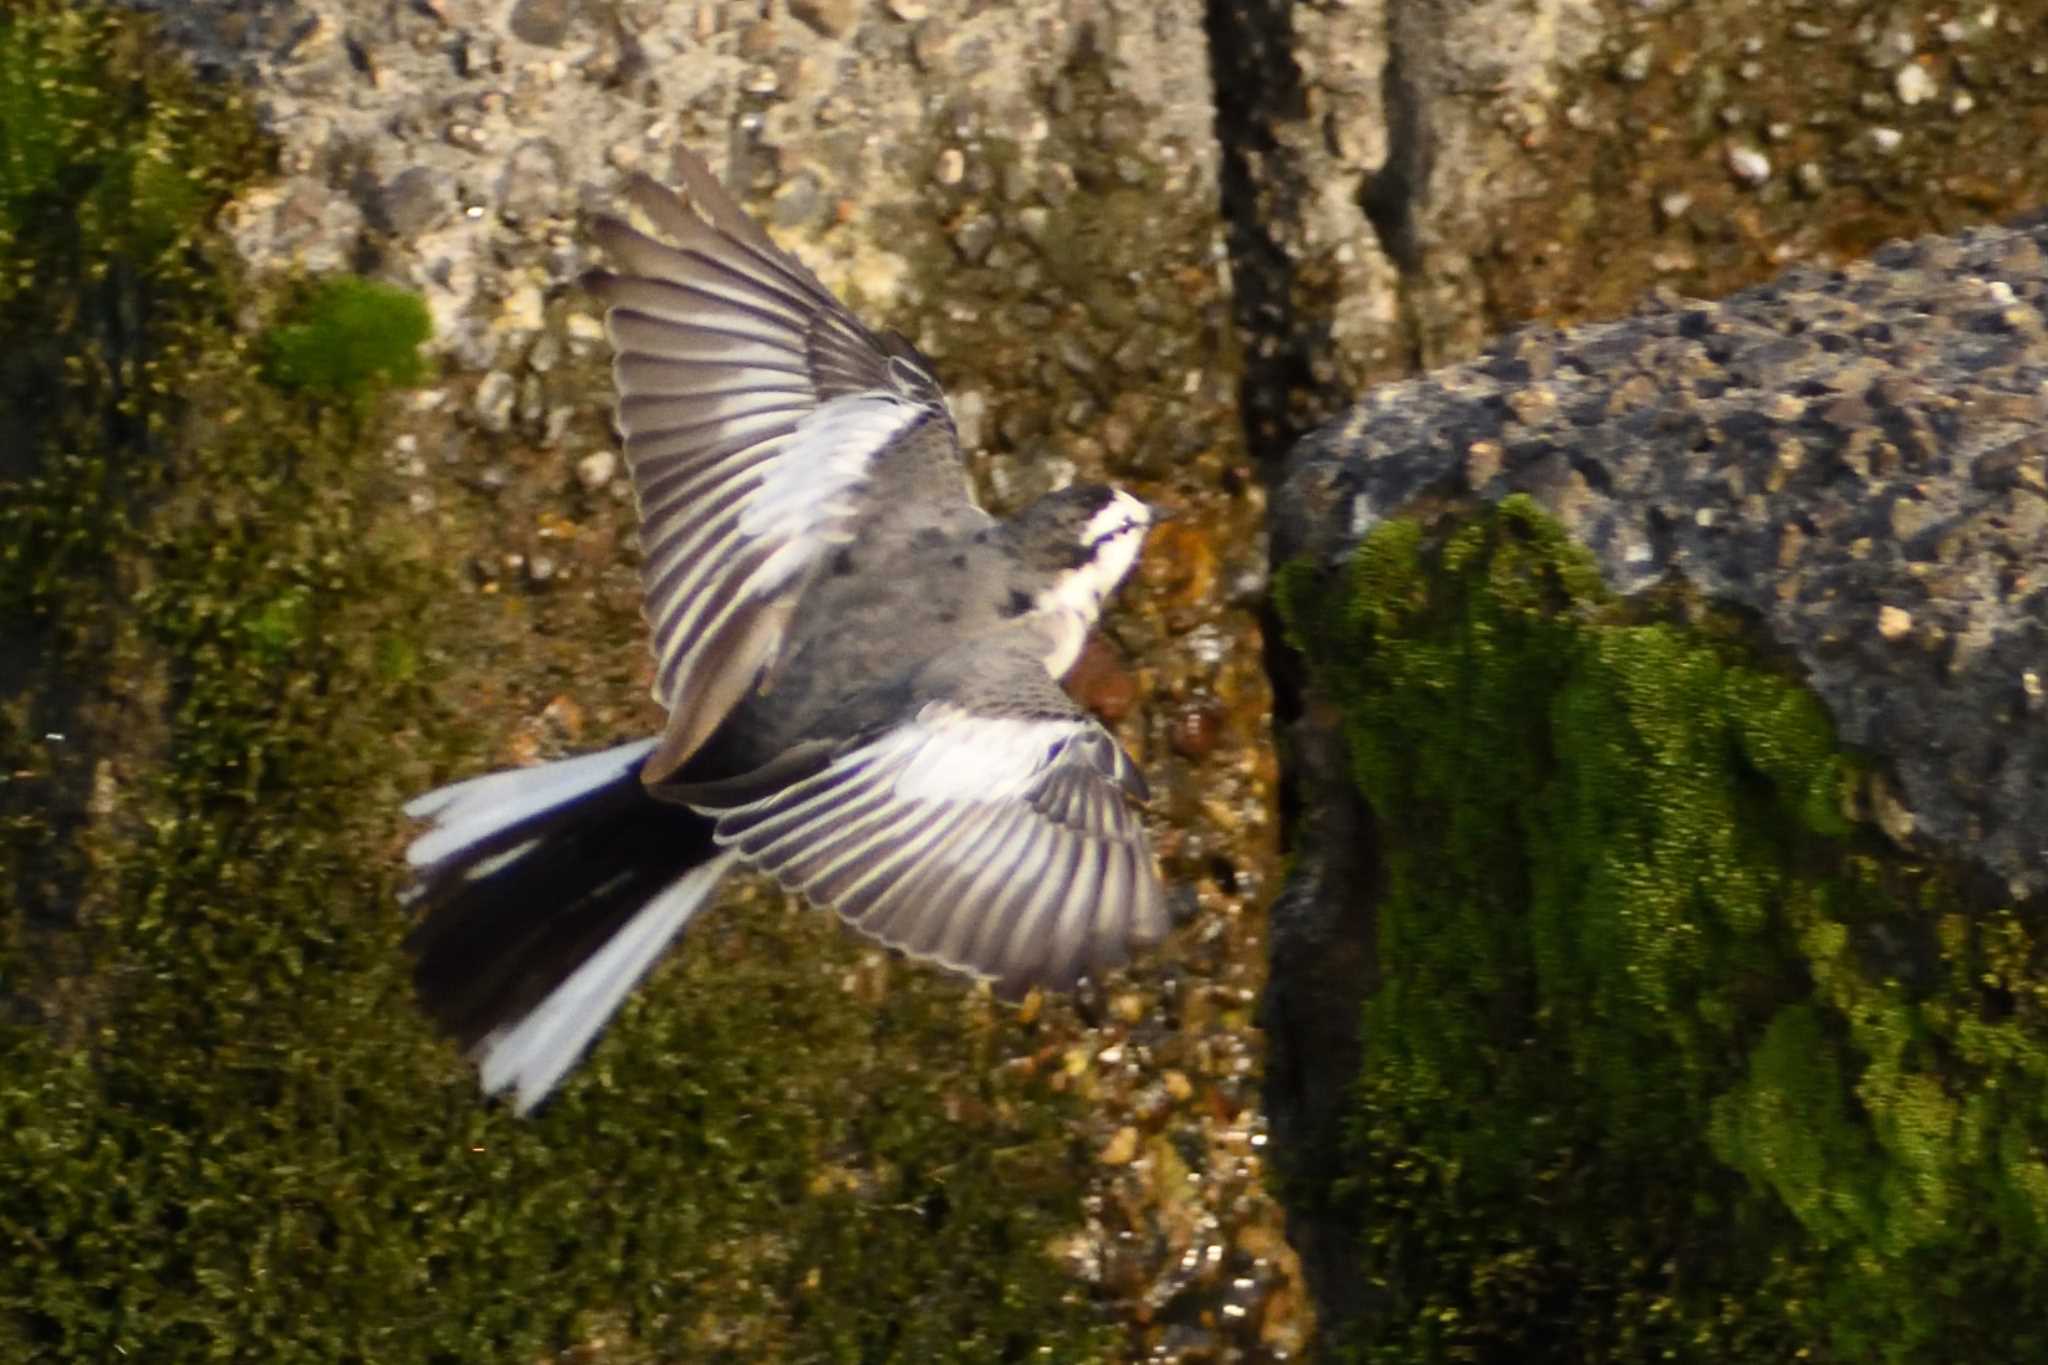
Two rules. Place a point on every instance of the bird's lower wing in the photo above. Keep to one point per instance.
(1005, 845)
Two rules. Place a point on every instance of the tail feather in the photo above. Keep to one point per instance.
(547, 894)
(490, 808)
(531, 1056)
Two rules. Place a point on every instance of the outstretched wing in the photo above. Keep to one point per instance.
(754, 408)
(1005, 843)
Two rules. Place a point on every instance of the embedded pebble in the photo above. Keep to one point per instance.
(494, 398)
(544, 23)
(1913, 85)
(974, 237)
(596, 469)
(1121, 1148)
(1748, 165)
(1100, 683)
(832, 18)
(410, 203)
(1196, 729)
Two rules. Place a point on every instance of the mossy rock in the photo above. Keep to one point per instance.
(1670, 1058)
(225, 1133)
(348, 338)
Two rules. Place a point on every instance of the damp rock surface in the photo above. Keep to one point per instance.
(1856, 457)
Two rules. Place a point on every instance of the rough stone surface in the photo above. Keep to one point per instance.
(1408, 178)
(1402, 184)
(1399, 180)
(453, 144)
(1371, 148)
(1029, 192)
(1858, 457)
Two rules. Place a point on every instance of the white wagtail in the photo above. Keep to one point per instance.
(861, 669)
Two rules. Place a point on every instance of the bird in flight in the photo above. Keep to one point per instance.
(860, 668)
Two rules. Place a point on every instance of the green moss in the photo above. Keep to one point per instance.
(225, 657)
(349, 337)
(79, 165)
(103, 200)
(1669, 1058)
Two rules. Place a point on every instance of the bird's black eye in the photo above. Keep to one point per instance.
(1108, 536)
(1019, 603)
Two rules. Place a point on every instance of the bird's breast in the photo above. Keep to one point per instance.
(1066, 633)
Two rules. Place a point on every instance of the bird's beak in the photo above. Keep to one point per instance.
(1161, 513)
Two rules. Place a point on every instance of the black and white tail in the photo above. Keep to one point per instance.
(548, 893)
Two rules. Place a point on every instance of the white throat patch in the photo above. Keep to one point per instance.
(1115, 535)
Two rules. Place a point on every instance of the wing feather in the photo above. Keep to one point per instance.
(945, 889)
(643, 373)
(1016, 946)
(1005, 846)
(755, 410)
(1074, 921)
(736, 414)
(889, 854)
(659, 338)
(938, 933)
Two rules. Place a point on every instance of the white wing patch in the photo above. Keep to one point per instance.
(804, 492)
(1003, 847)
(953, 755)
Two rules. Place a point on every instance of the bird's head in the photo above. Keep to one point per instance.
(1080, 543)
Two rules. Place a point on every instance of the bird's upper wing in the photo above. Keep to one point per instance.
(1001, 840)
(754, 407)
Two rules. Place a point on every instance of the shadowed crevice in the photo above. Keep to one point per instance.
(1257, 83)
